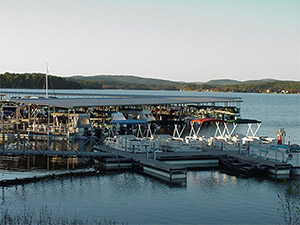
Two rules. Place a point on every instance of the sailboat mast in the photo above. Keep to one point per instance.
(47, 72)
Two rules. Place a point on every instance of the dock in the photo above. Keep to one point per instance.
(275, 168)
(158, 169)
(70, 129)
(172, 166)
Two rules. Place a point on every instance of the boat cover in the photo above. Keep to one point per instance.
(242, 121)
(207, 120)
(167, 122)
(128, 122)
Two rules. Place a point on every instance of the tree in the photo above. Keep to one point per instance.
(290, 204)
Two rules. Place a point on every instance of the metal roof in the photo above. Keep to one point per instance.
(121, 101)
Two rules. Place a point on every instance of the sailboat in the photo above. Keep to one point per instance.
(47, 84)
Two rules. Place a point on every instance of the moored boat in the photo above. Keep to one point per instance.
(240, 167)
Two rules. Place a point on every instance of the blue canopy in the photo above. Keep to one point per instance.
(128, 122)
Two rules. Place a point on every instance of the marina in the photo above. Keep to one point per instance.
(149, 112)
(120, 183)
(162, 136)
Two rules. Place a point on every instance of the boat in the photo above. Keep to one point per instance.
(293, 148)
(240, 167)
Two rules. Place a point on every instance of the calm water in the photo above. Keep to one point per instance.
(210, 197)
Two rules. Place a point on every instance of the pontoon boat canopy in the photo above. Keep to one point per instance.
(167, 122)
(129, 122)
(206, 120)
(245, 121)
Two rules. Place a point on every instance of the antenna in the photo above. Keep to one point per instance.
(47, 72)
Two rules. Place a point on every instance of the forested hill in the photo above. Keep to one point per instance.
(37, 81)
(126, 82)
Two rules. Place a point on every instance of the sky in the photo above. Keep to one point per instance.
(181, 40)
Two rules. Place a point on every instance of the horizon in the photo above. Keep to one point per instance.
(190, 41)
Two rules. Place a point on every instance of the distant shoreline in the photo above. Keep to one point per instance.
(122, 82)
(50, 90)
(297, 93)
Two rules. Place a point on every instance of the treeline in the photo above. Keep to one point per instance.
(262, 87)
(125, 82)
(37, 81)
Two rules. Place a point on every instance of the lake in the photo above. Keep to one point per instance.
(210, 197)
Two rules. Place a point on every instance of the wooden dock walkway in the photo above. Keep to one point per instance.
(273, 167)
(168, 161)
(159, 169)
(168, 166)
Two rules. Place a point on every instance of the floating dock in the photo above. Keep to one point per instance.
(173, 174)
(172, 166)
(274, 168)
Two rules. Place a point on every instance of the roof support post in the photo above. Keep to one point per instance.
(2, 117)
(226, 130)
(257, 129)
(175, 131)
(192, 131)
(149, 132)
(48, 119)
(250, 129)
(218, 129)
(139, 133)
(233, 129)
(181, 132)
(198, 130)
(29, 111)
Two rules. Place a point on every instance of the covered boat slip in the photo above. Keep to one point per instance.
(125, 100)
(82, 115)
(160, 162)
(75, 118)
(225, 136)
(37, 94)
(103, 104)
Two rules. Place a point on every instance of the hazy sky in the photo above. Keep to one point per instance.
(186, 40)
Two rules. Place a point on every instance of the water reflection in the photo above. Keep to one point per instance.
(3, 196)
(210, 197)
(210, 179)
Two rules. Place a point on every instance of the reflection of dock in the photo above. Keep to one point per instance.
(17, 152)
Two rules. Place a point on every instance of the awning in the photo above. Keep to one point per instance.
(128, 122)
(245, 121)
(207, 120)
(167, 122)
